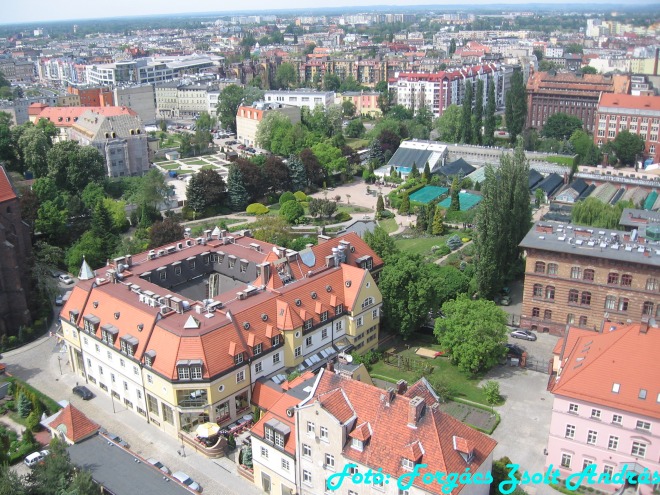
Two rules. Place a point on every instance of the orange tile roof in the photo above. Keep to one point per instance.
(7, 192)
(361, 432)
(336, 403)
(622, 354)
(77, 425)
(278, 411)
(463, 445)
(629, 101)
(264, 395)
(392, 439)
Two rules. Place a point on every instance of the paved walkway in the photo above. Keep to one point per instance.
(43, 364)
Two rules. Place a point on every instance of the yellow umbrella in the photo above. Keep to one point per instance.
(207, 430)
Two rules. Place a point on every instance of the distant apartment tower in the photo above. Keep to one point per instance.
(301, 98)
(437, 91)
(139, 98)
(575, 94)
(637, 114)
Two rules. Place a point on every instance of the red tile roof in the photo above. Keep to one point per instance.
(393, 440)
(279, 411)
(7, 192)
(648, 103)
(623, 354)
(74, 424)
(337, 404)
(264, 395)
(67, 116)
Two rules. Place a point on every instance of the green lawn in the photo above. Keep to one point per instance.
(421, 245)
(357, 143)
(462, 385)
(209, 167)
(195, 162)
(173, 166)
(388, 225)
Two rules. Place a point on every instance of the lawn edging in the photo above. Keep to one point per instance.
(483, 408)
(384, 378)
(50, 404)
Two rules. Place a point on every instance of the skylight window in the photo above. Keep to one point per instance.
(615, 388)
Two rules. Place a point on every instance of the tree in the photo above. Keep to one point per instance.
(165, 232)
(205, 188)
(404, 208)
(228, 102)
(274, 230)
(285, 76)
(286, 197)
(330, 158)
(472, 333)
(102, 229)
(276, 175)
(331, 82)
(452, 47)
(24, 406)
(297, 173)
(292, 211)
(595, 213)
(72, 166)
(501, 472)
(380, 204)
(449, 124)
(489, 123)
(34, 145)
(427, 173)
(561, 126)
(588, 153)
(588, 69)
(516, 106)
(627, 148)
(455, 204)
(466, 114)
(236, 191)
(437, 228)
(355, 129)
(492, 392)
(538, 53)
(273, 124)
(539, 196)
(247, 456)
(408, 286)
(348, 108)
(503, 219)
(10, 482)
(477, 119)
(313, 169)
(328, 208)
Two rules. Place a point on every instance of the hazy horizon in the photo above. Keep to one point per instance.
(35, 11)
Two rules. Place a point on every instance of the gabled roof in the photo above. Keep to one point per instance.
(337, 404)
(73, 424)
(7, 191)
(618, 368)
(550, 184)
(534, 177)
(457, 167)
(430, 442)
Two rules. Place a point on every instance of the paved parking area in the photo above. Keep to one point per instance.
(522, 434)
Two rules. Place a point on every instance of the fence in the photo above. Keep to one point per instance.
(406, 363)
(539, 365)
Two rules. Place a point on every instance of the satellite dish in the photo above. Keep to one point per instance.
(349, 358)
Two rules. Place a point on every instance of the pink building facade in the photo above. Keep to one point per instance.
(606, 409)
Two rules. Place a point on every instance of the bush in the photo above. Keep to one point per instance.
(292, 211)
(286, 197)
(300, 196)
(342, 216)
(256, 209)
(386, 214)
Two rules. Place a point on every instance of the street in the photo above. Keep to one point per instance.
(44, 365)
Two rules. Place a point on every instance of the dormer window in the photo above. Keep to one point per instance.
(109, 334)
(149, 357)
(257, 349)
(357, 444)
(308, 324)
(238, 358)
(324, 316)
(275, 340)
(91, 323)
(339, 309)
(196, 372)
(128, 345)
(407, 464)
(183, 372)
(276, 433)
(73, 316)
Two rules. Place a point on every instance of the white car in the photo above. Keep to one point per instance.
(65, 279)
(187, 480)
(35, 458)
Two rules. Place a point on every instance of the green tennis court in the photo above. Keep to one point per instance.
(467, 201)
(427, 194)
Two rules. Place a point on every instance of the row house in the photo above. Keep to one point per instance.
(155, 332)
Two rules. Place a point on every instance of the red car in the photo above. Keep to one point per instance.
(241, 146)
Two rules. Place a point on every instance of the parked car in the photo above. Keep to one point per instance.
(59, 300)
(65, 279)
(187, 480)
(505, 300)
(241, 146)
(250, 150)
(159, 465)
(514, 350)
(35, 458)
(83, 392)
(523, 334)
(116, 439)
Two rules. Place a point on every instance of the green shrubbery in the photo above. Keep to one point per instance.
(257, 209)
(300, 196)
(342, 216)
(287, 196)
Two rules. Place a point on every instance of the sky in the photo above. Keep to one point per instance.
(19, 11)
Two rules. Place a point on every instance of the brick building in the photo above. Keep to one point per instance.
(92, 96)
(15, 251)
(571, 93)
(638, 114)
(583, 276)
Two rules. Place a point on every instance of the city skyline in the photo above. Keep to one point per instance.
(31, 11)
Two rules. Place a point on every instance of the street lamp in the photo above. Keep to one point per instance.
(59, 362)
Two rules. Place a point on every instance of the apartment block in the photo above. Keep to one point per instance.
(248, 119)
(301, 98)
(605, 411)
(180, 334)
(587, 277)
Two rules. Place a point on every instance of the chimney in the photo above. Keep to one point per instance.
(401, 387)
(322, 238)
(330, 367)
(391, 393)
(415, 410)
(644, 325)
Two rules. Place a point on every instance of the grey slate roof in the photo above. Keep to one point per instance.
(534, 177)
(405, 157)
(96, 126)
(116, 469)
(457, 167)
(550, 184)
